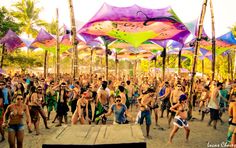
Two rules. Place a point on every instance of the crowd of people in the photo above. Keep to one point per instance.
(92, 99)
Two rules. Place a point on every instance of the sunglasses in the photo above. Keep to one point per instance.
(19, 98)
(179, 86)
(2, 84)
(118, 100)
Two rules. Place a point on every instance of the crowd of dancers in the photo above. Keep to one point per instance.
(92, 99)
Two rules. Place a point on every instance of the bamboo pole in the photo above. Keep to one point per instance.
(163, 64)
(116, 62)
(231, 67)
(106, 45)
(74, 41)
(234, 64)
(199, 34)
(91, 65)
(179, 62)
(155, 66)
(203, 67)
(3, 53)
(58, 47)
(213, 40)
(45, 64)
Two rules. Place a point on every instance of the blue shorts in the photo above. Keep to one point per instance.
(180, 122)
(147, 115)
(15, 127)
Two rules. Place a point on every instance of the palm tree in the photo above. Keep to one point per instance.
(28, 16)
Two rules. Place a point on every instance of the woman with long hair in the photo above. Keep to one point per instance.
(15, 114)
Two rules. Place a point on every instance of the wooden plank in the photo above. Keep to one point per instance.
(91, 136)
(97, 136)
(112, 134)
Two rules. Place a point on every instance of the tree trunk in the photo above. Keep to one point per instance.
(58, 49)
(45, 64)
(3, 54)
(163, 64)
(74, 41)
(179, 62)
(195, 56)
(213, 40)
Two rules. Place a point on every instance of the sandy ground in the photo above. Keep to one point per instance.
(201, 135)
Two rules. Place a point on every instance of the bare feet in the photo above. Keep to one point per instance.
(169, 142)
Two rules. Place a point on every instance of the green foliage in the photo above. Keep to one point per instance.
(22, 60)
(27, 15)
(7, 22)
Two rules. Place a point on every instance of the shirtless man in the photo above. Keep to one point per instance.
(232, 117)
(174, 98)
(164, 96)
(130, 89)
(145, 103)
(102, 102)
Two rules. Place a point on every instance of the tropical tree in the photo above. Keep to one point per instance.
(27, 15)
(7, 22)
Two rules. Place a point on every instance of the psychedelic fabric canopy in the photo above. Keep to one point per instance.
(12, 41)
(135, 24)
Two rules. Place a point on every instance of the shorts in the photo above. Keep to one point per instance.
(180, 122)
(147, 115)
(214, 113)
(165, 104)
(230, 132)
(15, 127)
(155, 105)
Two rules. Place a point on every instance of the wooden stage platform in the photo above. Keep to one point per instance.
(87, 136)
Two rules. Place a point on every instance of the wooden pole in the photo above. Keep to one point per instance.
(155, 66)
(45, 64)
(163, 64)
(116, 63)
(91, 65)
(3, 54)
(106, 45)
(74, 41)
(213, 40)
(203, 67)
(58, 47)
(231, 67)
(234, 64)
(179, 61)
(199, 34)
